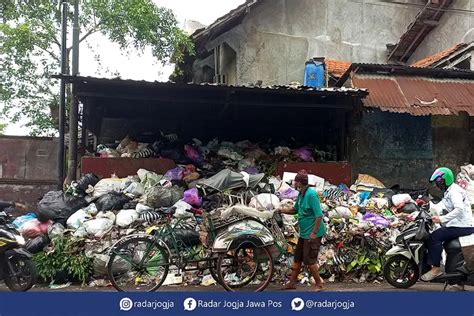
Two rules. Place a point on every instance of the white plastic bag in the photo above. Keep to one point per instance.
(182, 210)
(340, 212)
(126, 217)
(400, 199)
(142, 208)
(98, 227)
(75, 220)
(134, 189)
(265, 201)
(108, 185)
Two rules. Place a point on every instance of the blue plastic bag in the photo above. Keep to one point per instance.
(19, 221)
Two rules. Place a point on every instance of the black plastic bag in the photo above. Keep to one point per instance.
(112, 201)
(188, 237)
(130, 205)
(57, 206)
(86, 180)
(409, 208)
(37, 244)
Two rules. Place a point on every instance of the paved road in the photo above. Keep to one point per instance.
(331, 287)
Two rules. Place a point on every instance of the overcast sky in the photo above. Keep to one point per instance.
(142, 67)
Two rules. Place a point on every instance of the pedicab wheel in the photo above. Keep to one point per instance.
(401, 272)
(21, 275)
(138, 265)
(247, 268)
(213, 270)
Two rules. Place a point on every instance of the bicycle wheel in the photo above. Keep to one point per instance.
(139, 264)
(246, 268)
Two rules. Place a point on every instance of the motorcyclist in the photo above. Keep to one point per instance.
(456, 223)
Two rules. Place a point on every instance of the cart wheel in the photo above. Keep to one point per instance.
(213, 270)
(246, 268)
(138, 265)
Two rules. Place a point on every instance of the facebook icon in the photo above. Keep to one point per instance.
(189, 304)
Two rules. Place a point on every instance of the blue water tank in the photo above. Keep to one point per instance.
(314, 74)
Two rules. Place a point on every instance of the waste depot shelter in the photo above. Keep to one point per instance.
(282, 115)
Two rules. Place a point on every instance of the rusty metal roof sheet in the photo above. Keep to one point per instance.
(417, 95)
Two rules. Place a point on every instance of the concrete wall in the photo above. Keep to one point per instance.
(455, 27)
(395, 148)
(452, 141)
(277, 37)
(27, 168)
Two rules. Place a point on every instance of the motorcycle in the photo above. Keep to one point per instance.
(406, 261)
(16, 267)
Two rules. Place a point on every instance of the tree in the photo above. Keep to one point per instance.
(30, 32)
(3, 126)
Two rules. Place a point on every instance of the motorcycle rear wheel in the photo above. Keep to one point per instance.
(20, 274)
(394, 267)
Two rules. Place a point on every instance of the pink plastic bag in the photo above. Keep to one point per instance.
(304, 154)
(192, 153)
(191, 197)
(175, 174)
(34, 228)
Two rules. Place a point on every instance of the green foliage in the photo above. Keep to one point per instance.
(364, 263)
(2, 128)
(30, 48)
(63, 259)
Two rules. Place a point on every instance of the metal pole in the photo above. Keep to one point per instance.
(62, 101)
(73, 112)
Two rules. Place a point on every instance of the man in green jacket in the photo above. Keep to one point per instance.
(311, 229)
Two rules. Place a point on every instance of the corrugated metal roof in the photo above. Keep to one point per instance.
(282, 88)
(417, 95)
(430, 60)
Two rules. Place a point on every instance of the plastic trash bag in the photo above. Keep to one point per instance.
(100, 262)
(87, 180)
(56, 230)
(148, 178)
(181, 210)
(105, 186)
(409, 208)
(112, 201)
(192, 154)
(285, 191)
(376, 219)
(399, 200)
(126, 218)
(188, 236)
(265, 201)
(157, 197)
(340, 212)
(77, 219)
(57, 206)
(37, 244)
(19, 221)
(98, 227)
(141, 208)
(175, 174)
(192, 197)
(134, 189)
(34, 228)
(304, 154)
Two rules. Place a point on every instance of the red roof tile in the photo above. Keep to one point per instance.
(337, 68)
(430, 60)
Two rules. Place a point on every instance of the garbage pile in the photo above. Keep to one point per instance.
(217, 155)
